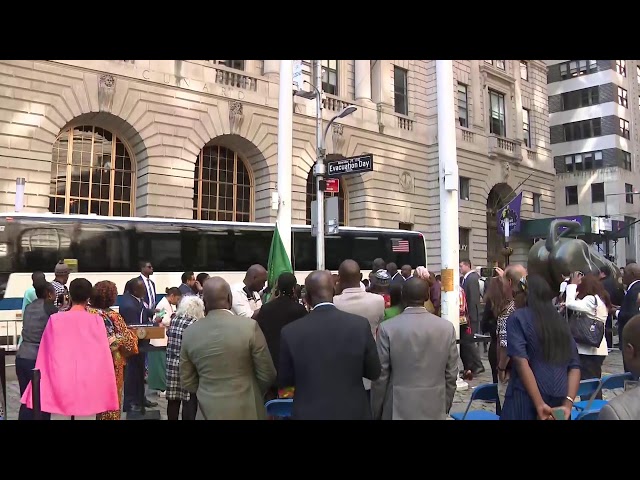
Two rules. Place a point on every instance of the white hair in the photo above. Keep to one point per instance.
(191, 306)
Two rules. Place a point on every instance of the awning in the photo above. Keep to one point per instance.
(539, 228)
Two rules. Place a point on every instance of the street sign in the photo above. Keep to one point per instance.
(297, 74)
(345, 166)
(333, 185)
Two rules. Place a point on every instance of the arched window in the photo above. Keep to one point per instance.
(311, 196)
(222, 186)
(91, 172)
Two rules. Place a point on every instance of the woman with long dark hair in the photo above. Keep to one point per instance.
(586, 295)
(546, 373)
(498, 306)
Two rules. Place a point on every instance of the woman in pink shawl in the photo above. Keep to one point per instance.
(74, 359)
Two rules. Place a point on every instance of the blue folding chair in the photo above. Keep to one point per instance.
(488, 393)
(588, 388)
(587, 415)
(608, 382)
(279, 408)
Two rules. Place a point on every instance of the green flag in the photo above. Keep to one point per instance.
(278, 260)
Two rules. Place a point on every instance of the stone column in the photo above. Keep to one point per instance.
(382, 83)
(363, 80)
(270, 67)
(517, 97)
(476, 94)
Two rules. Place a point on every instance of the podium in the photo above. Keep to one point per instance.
(147, 332)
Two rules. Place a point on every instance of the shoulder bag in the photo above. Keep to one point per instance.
(586, 331)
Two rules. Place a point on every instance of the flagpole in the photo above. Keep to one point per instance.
(448, 181)
(285, 151)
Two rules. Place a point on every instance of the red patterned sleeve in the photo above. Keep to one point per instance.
(126, 340)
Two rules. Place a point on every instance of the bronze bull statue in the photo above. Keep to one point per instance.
(557, 257)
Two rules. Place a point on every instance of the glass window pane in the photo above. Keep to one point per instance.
(94, 174)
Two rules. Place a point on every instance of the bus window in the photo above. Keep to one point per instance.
(366, 249)
(161, 244)
(40, 248)
(304, 251)
(405, 250)
(336, 250)
(250, 248)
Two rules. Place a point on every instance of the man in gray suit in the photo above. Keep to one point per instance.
(225, 360)
(419, 360)
(627, 405)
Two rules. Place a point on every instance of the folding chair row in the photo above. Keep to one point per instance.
(590, 388)
(487, 392)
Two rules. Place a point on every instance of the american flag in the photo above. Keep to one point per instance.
(399, 246)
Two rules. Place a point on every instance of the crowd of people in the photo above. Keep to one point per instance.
(343, 346)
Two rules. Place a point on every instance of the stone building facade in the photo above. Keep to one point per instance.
(198, 139)
(594, 115)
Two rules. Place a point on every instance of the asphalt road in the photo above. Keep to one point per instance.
(612, 364)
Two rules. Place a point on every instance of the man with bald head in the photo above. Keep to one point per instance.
(627, 405)
(419, 360)
(225, 360)
(629, 307)
(396, 276)
(325, 355)
(513, 274)
(358, 302)
(246, 294)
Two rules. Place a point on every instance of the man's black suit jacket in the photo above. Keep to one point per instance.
(325, 355)
(130, 308)
(471, 286)
(273, 317)
(628, 309)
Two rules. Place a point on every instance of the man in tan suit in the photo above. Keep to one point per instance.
(419, 361)
(225, 360)
(354, 300)
(627, 405)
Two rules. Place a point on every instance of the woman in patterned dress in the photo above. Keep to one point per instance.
(122, 341)
(190, 309)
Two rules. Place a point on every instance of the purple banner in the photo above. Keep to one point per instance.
(510, 213)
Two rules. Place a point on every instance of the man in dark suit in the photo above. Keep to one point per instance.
(396, 276)
(146, 270)
(629, 307)
(135, 312)
(325, 355)
(188, 286)
(616, 295)
(470, 283)
(281, 309)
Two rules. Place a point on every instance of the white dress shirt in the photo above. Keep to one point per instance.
(166, 321)
(151, 291)
(594, 308)
(244, 304)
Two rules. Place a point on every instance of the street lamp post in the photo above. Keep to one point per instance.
(606, 215)
(319, 169)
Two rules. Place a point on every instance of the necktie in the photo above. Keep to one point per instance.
(152, 297)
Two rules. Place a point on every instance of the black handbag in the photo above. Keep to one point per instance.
(585, 330)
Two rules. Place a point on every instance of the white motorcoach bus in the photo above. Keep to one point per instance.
(110, 248)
